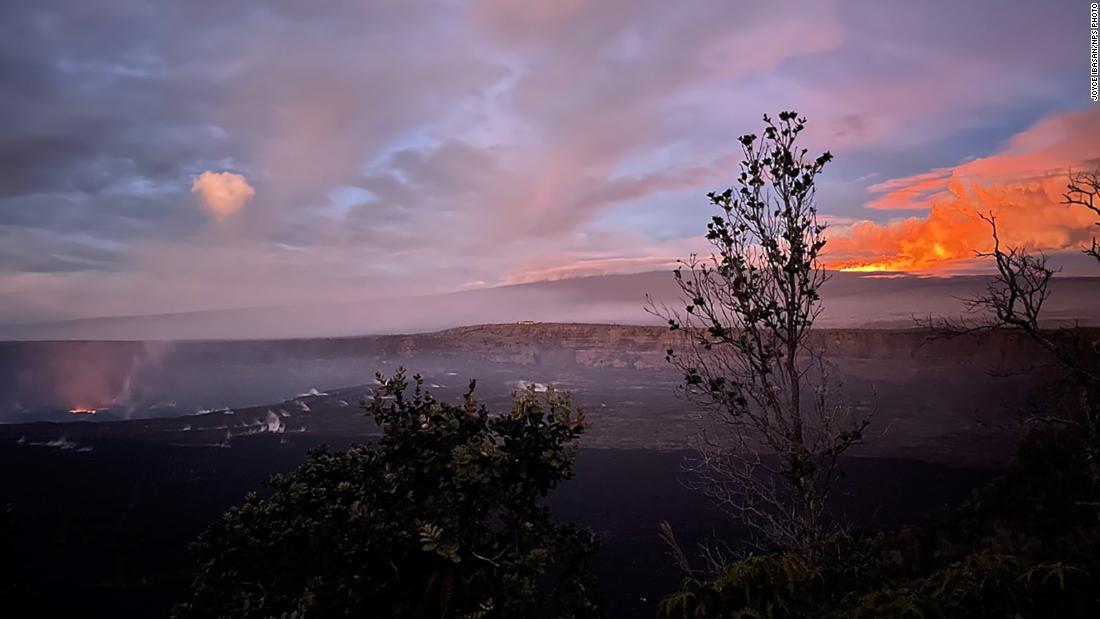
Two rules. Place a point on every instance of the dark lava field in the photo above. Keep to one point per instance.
(105, 502)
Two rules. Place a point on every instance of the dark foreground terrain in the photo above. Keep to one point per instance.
(106, 503)
(104, 533)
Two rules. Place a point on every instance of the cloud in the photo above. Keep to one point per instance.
(528, 140)
(1021, 184)
(910, 192)
(601, 253)
(224, 193)
(585, 267)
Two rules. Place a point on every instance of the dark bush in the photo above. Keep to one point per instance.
(441, 517)
(1025, 545)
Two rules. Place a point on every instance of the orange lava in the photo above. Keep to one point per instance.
(886, 266)
(80, 410)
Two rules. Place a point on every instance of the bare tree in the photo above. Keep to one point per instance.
(1015, 296)
(746, 353)
(1083, 189)
(1014, 299)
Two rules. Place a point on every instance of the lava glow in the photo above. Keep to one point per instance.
(1022, 185)
(913, 254)
(81, 410)
(936, 261)
(873, 267)
(953, 232)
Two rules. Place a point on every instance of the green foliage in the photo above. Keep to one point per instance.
(763, 586)
(442, 517)
(984, 585)
(1026, 545)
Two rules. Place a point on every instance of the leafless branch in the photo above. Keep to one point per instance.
(1083, 189)
(1014, 299)
(675, 552)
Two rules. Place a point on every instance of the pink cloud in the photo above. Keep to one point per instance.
(223, 193)
(911, 192)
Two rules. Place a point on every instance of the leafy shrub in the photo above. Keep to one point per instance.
(1025, 545)
(442, 517)
(983, 586)
(772, 586)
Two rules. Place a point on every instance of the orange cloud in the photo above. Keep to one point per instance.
(1022, 186)
(909, 192)
(224, 193)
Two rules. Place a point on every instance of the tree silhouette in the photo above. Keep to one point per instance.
(745, 350)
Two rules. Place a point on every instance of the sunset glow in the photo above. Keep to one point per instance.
(525, 308)
(1021, 184)
(250, 162)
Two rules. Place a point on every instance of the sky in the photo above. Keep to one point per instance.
(178, 156)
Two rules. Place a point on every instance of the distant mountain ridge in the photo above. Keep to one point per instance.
(852, 300)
